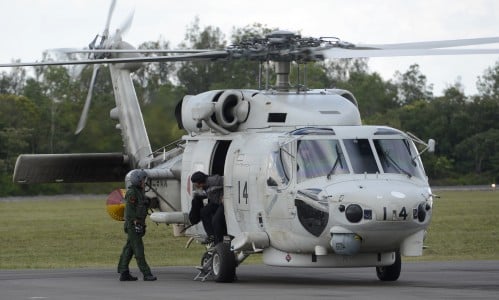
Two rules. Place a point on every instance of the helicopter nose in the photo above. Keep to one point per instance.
(359, 202)
(376, 215)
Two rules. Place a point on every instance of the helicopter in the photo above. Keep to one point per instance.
(306, 184)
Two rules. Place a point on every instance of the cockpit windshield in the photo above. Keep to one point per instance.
(328, 157)
(316, 158)
(395, 156)
(361, 156)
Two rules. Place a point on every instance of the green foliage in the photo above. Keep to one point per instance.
(153, 76)
(311, 75)
(18, 117)
(13, 82)
(373, 94)
(480, 151)
(488, 84)
(197, 77)
(341, 69)
(159, 115)
(412, 86)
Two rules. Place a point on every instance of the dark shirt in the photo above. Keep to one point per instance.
(215, 188)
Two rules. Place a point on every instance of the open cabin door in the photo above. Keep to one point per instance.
(218, 157)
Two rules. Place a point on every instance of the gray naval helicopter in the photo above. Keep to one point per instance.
(306, 184)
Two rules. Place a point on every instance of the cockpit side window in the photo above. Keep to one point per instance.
(276, 171)
(287, 160)
(279, 169)
(361, 156)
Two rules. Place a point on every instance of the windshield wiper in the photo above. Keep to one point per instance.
(338, 160)
(396, 165)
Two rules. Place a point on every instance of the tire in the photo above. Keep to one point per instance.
(223, 264)
(390, 273)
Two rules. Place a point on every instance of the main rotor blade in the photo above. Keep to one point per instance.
(359, 53)
(120, 32)
(73, 51)
(213, 55)
(432, 44)
(125, 26)
(108, 20)
(86, 107)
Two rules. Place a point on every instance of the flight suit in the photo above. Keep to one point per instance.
(135, 213)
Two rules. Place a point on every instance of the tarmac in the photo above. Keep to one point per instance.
(418, 280)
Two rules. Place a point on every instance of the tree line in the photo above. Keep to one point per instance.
(40, 107)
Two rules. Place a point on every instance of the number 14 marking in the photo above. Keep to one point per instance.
(244, 192)
(403, 213)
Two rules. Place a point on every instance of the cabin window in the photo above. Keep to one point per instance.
(361, 156)
(316, 158)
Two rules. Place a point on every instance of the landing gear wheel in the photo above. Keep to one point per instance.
(390, 273)
(223, 264)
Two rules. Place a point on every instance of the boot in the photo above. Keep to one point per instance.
(126, 276)
(209, 240)
(149, 277)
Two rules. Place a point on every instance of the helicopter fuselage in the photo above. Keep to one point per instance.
(325, 192)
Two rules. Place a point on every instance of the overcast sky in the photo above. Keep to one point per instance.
(28, 27)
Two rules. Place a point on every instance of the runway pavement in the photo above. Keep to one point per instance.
(423, 281)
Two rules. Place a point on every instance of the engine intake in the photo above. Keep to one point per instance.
(221, 110)
(231, 109)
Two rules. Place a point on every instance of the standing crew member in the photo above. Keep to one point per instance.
(135, 227)
(212, 215)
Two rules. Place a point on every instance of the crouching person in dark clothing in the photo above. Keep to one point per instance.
(211, 214)
(136, 206)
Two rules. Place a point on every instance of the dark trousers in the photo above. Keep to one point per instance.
(213, 218)
(134, 247)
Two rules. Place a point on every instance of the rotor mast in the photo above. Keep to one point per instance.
(282, 47)
(281, 41)
(282, 69)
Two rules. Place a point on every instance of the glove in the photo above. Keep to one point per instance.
(140, 229)
(199, 193)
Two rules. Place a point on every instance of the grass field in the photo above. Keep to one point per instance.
(79, 233)
(464, 226)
